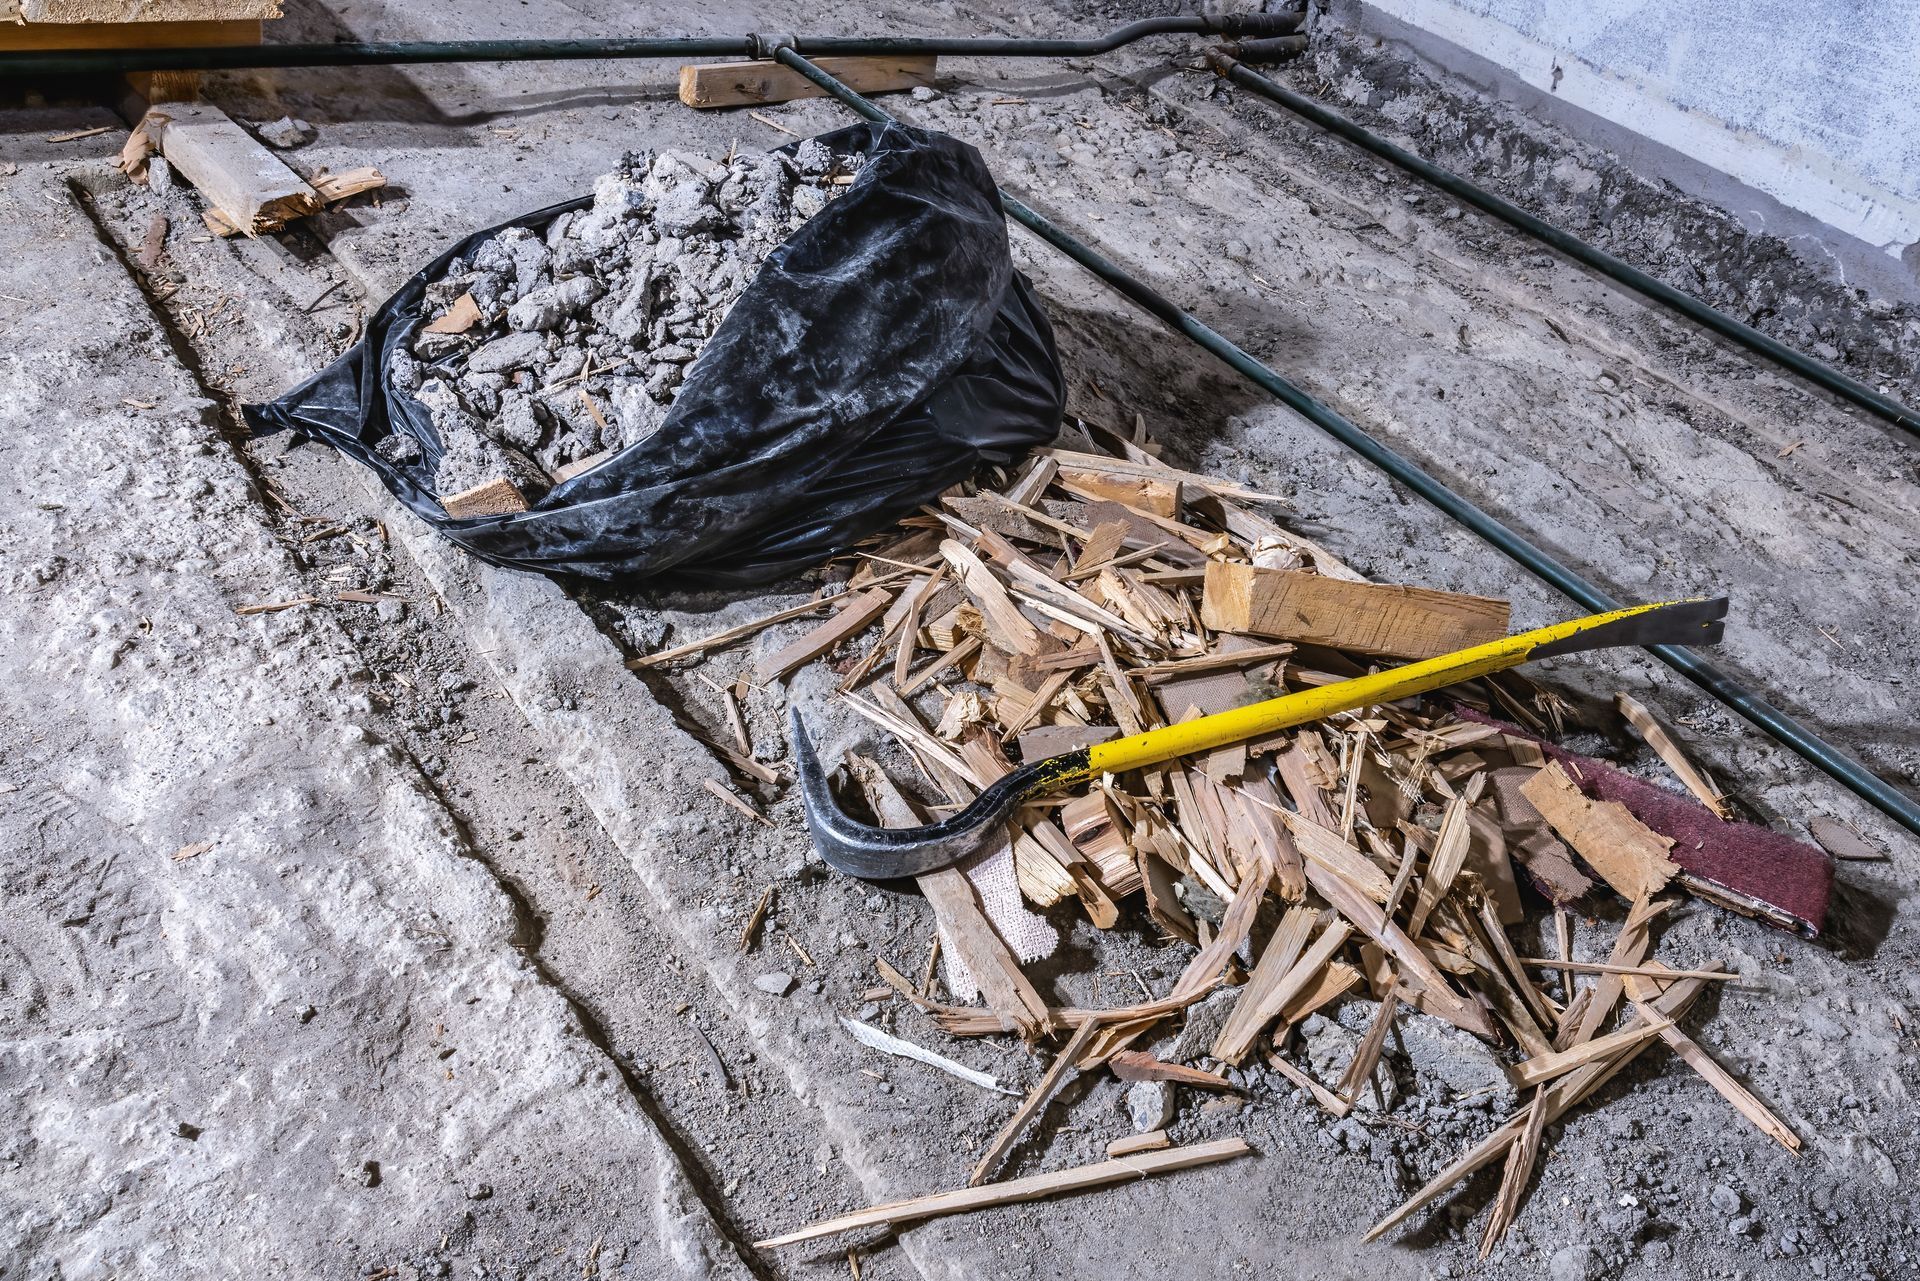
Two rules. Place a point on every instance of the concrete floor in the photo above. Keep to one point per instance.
(456, 989)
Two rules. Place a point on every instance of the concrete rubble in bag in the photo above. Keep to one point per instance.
(626, 292)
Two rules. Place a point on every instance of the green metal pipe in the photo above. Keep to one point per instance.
(401, 53)
(1842, 768)
(1606, 264)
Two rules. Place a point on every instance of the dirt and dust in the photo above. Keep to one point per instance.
(1652, 457)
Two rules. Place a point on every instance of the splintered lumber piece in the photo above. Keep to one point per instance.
(1261, 1002)
(335, 187)
(1691, 1052)
(855, 613)
(887, 1043)
(1654, 970)
(1449, 854)
(1235, 924)
(1138, 1065)
(1558, 1098)
(1154, 469)
(747, 84)
(1366, 1056)
(496, 497)
(248, 185)
(1154, 495)
(1629, 948)
(1418, 970)
(1056, 1075)
(1248, 1015)
(1321, 1094)
(1031, 1188)
(1629, 855)
(1513, 1180)
(1369, 618)
(1669, 751)
(1007, 624)
(1133, 1144)
(742, 630)
(1334, 982)
(1545, 1067)
(1325, 848)
(965, 930)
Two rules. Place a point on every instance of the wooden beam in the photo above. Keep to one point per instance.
(1368, 618)
(745, 84)
(249, 186)
(20, 37)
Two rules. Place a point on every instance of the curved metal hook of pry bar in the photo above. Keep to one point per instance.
(881, 853)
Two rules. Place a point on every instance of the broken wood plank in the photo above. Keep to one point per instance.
(855, 613)
(758, 83)
(1030, 1188)
(1064, 1065)
(1138, 1065)
(1643, 994)
(1513, 1179)
(1322, 1095)
(1367, 618)
(1559, 1097)
(497, 497)
(1629, 855)
(335, 187)
(1280, 975)
(248, 185)
(721, 792)
(964, 926)
(1629, 948)
(1153, 495)
(1335, 981)
(1154, 469)
(1217, 661)
(1654, 970)
(1008, 625)
(1417, 970)
(1542, 1068)
(1664, 746)
(1366, 1056)
(1129, 1145)
(1449, 854)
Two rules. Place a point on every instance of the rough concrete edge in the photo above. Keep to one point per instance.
(560, 668)
(686, 1228)
(1823, 245)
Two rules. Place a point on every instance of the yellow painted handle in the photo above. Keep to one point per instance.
(1239, 724)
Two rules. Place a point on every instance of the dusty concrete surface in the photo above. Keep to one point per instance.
(568, 807)
(262, 1002)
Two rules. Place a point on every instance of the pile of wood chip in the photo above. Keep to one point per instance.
(1376, 856)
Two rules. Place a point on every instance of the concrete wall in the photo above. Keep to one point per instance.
(1801, 117)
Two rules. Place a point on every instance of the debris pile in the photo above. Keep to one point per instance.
(1383, 860)
(541, 354)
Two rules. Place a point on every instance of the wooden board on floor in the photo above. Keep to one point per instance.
(1370, 618)
(23, 36)
(748, 84)
(248, 185)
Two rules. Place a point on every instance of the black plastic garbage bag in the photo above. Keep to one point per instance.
(880, 355)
